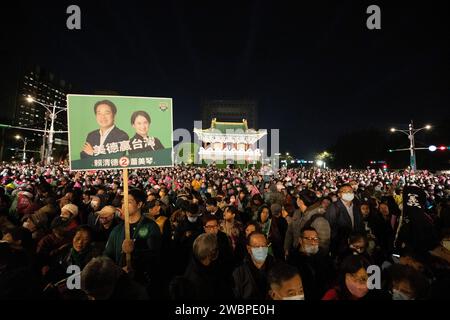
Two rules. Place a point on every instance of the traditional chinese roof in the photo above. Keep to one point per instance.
(235, 132)
(224, 126)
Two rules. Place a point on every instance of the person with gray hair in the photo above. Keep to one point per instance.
(102, 279)
(203, 275)
(205, 249)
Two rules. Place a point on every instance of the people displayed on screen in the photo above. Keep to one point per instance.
(108, 139)
(142, 141)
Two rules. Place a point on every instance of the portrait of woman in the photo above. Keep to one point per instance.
(141, 141)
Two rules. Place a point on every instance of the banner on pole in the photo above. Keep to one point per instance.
(114, 132)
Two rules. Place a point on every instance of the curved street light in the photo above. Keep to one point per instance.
(412, 149)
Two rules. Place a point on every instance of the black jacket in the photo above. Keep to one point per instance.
(183, 240)
(250, 283)
(218, 214)
(128, 289)
(226, 257)
(116, 135)
(207, 283)
(316, 271)
(341, 224)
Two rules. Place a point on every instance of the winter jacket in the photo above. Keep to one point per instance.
(321, 225)
(316, 271)
(250, 283)
(207, 282)
(341, 224)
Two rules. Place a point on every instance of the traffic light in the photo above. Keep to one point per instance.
(440, 148)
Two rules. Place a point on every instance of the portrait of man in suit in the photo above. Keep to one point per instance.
(108, 139)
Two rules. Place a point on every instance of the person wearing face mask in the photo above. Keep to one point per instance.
(344, 216)
(309, 213)
(357, 244)
(351, 281)
(250, 278)
(95, 205)
(189, 228)
(406, 283)
(67, 218)
(285, 283)
(315, 267)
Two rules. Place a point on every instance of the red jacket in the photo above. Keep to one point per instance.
(331, 295)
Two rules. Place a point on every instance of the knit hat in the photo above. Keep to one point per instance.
(73, 209)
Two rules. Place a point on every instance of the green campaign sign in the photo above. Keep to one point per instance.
(113, 132)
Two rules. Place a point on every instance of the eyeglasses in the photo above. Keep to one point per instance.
(359, 279)
(315, 239)
(212, 227)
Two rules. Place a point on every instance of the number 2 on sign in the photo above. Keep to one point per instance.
(124, 162)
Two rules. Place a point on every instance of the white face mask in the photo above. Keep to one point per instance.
(348, 196)
(192, 219)
(297, 297)
(398, 295)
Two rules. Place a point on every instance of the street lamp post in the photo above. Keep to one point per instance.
(412, 149)
(53, 114)
(43, 139)
(25, 140)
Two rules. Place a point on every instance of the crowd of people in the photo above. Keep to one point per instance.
(208, 233)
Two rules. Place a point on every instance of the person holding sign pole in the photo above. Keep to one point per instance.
(144, 244)
(108, 139)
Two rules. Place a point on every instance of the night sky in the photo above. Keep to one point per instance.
(314, 68)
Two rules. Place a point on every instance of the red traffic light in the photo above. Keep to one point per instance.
(442, 148)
